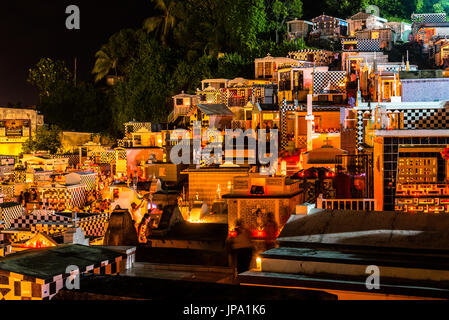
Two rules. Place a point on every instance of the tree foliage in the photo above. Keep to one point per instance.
(79, 107)
(145, 92)
(280, 12)
(427, 6)
(163, 23)
(47, 75)
(46, 139)
(115, 54)
(243, 21)
(343, 8)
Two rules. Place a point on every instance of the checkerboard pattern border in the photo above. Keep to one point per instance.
(321, 79)
(136, 126)
(426, 118)
(49, 222)
(9, 214)
(363, 45)
(72, 196)
(89, 180)
(285, 107)
(428, 17)
(15, 286)
(320, 57)
(414, 119)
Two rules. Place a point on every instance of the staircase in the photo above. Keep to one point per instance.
(403, 273)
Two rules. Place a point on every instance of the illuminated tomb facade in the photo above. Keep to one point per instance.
(255, 196)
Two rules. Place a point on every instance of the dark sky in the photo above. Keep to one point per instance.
(31, 29)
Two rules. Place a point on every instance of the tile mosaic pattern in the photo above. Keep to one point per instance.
(413, 119)
(285, 107)
(74, 159)
(71, 196)
(364, 45)
(429, 17)
(20, 176)
(391, 156)
(93, 225)
(136, 126)
(426, 119)
(7, 191)
(322, 80)
(320, 57)
(89, 180)
(9, 213)
(15, 286)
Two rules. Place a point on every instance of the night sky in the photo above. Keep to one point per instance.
(30, 30)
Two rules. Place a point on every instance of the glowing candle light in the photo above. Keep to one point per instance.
(259, 264)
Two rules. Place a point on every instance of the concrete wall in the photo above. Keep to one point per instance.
(245, 209)
(205, 183)
(72, 140)
(420, 90)
(168, 172)
(392, 229)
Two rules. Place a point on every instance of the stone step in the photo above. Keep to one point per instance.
(349, 263)
(391, 259)
(351, 288)
(183, 267)
(326, 242)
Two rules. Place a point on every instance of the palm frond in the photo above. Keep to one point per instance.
(160, 4)
(152, 23)
(104, 63)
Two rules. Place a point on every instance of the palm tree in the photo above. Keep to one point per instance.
(114, 55)
(163, 22)
(106, 61)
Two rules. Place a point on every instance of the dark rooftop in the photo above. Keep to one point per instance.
(269, 107)
(361, 16)
(196, 231)
(92, 286)
(215, 109)
(421, 74)
(78, 214)
(50, 262)
(8, 204)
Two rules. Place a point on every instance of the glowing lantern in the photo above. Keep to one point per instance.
(259, 234)
(39, 241)
(259, 264)
(445, 153)
(232, 234)
(284, 168)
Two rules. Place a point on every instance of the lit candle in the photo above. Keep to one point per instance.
(259, 263)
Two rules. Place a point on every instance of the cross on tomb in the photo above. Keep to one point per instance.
(327, 141)
(75, 219)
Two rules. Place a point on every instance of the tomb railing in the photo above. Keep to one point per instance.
(347, 204)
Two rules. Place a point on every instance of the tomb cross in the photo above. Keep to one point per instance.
(151, 201)
(75, 219)
(219, 192)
